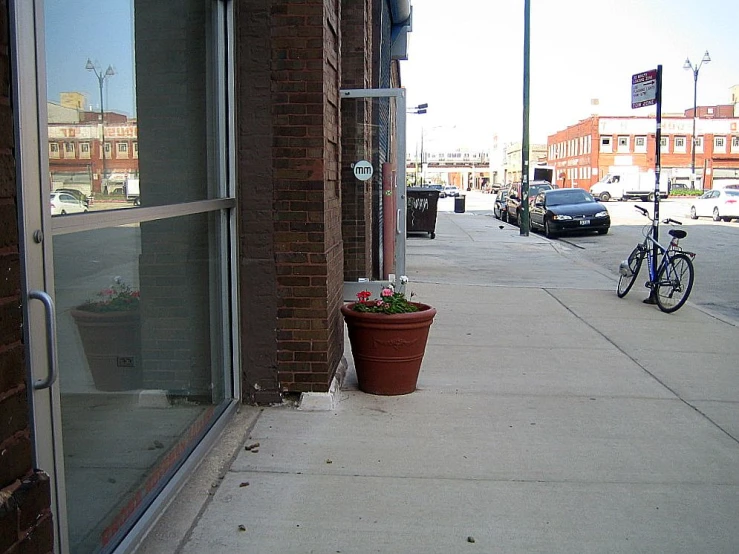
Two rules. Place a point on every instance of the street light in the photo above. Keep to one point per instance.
(89, 66)
(695, 69)
(418, 110)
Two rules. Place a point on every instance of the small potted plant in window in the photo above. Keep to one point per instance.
(388, 339)
(110, 330)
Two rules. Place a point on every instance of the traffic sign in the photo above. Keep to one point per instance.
(644, 89)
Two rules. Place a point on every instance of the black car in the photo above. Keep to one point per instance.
(499, 207)
(562, 210)
(513, 203)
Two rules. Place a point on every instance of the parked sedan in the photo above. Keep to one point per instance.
(499, 206)
(513, 203)
(450, 191)
(561, 210)
(718, 204)
(63, 203)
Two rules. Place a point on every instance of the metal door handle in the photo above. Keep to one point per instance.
(50, 338)
(397, 222)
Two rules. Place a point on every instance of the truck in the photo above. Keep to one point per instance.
(627, 182)
(542, 173)
(131, 188)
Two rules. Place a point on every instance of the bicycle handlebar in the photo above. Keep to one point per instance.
(645, 213)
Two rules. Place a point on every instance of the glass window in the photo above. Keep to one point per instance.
(606, 144)
(734, 144)
(139, 391)
(719, 144)
(699, 144)
(640, 144)
(623, 144)
(680, 146)
(664, 144)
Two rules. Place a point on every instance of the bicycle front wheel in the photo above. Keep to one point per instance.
(674, 283)
(629, 272)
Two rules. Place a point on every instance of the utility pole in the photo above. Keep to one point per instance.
(523, 225)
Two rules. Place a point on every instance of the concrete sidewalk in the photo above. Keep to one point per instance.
(551, 416)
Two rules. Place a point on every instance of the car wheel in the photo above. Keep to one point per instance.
(693, 213)
(63, 212)
(716, 216)
(604, 197)
(726, 219)
(504, 216)
(548, 230)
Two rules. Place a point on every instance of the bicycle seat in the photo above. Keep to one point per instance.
(678, 233)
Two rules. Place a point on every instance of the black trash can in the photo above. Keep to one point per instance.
(421, 210)
(459, 204)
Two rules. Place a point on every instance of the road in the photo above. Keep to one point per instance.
(716, 266)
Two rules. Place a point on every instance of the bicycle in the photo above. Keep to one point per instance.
(671, 285)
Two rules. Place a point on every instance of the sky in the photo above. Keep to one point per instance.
(100, 30)
(465, 59)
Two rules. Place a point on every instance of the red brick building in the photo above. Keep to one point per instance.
(584, 152)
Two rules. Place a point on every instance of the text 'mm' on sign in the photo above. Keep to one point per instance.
(644, 89)
(363, 170)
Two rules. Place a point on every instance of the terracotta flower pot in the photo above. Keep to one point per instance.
(388, 349)
(112, 345)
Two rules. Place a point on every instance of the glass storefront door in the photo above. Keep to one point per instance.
(128, 226)
(373, 189)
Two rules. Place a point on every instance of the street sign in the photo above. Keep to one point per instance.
(363, 170)
(644, 89)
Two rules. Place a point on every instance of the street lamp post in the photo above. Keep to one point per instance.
(695, 69)
(418, 110)
(89, 66)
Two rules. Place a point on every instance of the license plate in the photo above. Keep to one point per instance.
(585, 222)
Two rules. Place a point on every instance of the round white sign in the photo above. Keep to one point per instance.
(363, 170)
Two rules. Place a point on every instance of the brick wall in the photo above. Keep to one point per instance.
(289, 202)
(25, 495)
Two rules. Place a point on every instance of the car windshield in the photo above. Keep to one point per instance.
(536, 189)
(732, 192)
(573, 196)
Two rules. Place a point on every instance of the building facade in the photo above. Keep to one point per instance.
(584, 152)
(464, 169)
(513, 160)
(225, 282)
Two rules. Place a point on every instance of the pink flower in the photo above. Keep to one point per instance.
(386, 292)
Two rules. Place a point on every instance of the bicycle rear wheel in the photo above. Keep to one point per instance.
(633, 265)
(674, 283)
